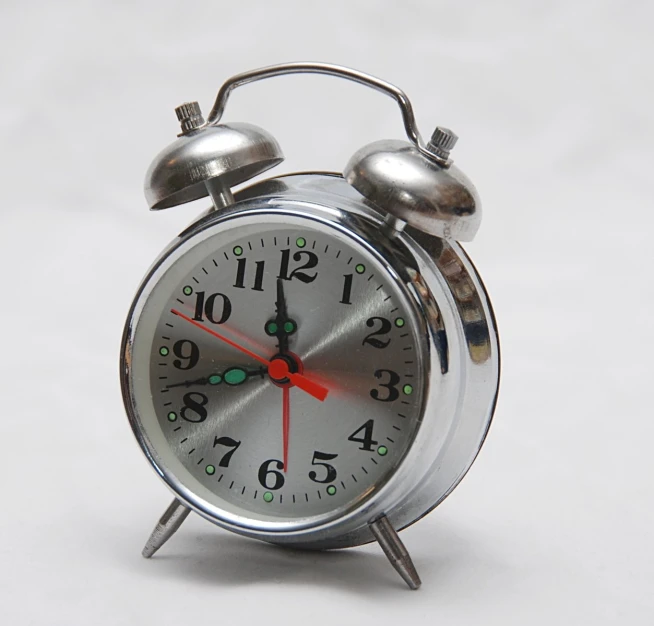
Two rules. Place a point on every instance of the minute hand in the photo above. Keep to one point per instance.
(276, 368)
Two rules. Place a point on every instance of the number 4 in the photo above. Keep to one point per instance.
(367, 441)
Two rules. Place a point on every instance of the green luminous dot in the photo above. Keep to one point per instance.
(163, 351)
(301, 242)
(399, 322)
(238, 251)
(235, 376)
(172, 416)
(289, 327)
(268, 497)
(187, 290)
(210, 469)
(382, 451)
(272, 328)
(360, 269)
(215, 379)
(331, 490)
(407, 389)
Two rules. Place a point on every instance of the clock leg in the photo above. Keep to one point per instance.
(166, 527)
(394, 549)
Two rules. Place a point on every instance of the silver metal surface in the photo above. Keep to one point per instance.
(338, 71)
(189, 116)
(220, 193)
(395, 551)
(232, 152)
(461, 374)
(166, 527)
(399, 180)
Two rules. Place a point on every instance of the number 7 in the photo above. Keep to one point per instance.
(230, 443)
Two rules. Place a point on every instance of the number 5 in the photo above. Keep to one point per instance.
(331, 471)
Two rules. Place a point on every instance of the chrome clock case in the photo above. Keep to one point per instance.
(408, 205)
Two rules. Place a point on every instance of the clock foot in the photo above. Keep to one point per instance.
(394, 549)
(166, 527)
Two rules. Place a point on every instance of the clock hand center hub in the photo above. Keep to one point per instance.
(280, 367)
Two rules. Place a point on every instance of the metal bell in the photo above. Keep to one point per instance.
(427, 193)
(208, 160)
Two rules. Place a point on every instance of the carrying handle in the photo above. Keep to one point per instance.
(330, 70)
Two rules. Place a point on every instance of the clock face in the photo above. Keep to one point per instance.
(276, 369)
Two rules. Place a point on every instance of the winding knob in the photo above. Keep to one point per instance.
(442, 141)
(189, 116)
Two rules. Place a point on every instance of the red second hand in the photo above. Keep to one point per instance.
(254, 355)
(286, 421)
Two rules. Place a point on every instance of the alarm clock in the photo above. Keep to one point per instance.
(314, 362)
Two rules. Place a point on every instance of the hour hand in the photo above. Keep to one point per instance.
(232, 376)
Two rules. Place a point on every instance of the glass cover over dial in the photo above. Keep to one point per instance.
(276, 368)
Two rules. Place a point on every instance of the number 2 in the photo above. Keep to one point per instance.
(384, 329)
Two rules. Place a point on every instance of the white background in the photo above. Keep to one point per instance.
(553, 103)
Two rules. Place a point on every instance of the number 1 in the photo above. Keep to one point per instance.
(347, 289)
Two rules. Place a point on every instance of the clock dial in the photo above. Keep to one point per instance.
(284, 370)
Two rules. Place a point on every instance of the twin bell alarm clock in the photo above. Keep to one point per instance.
(314, 362)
